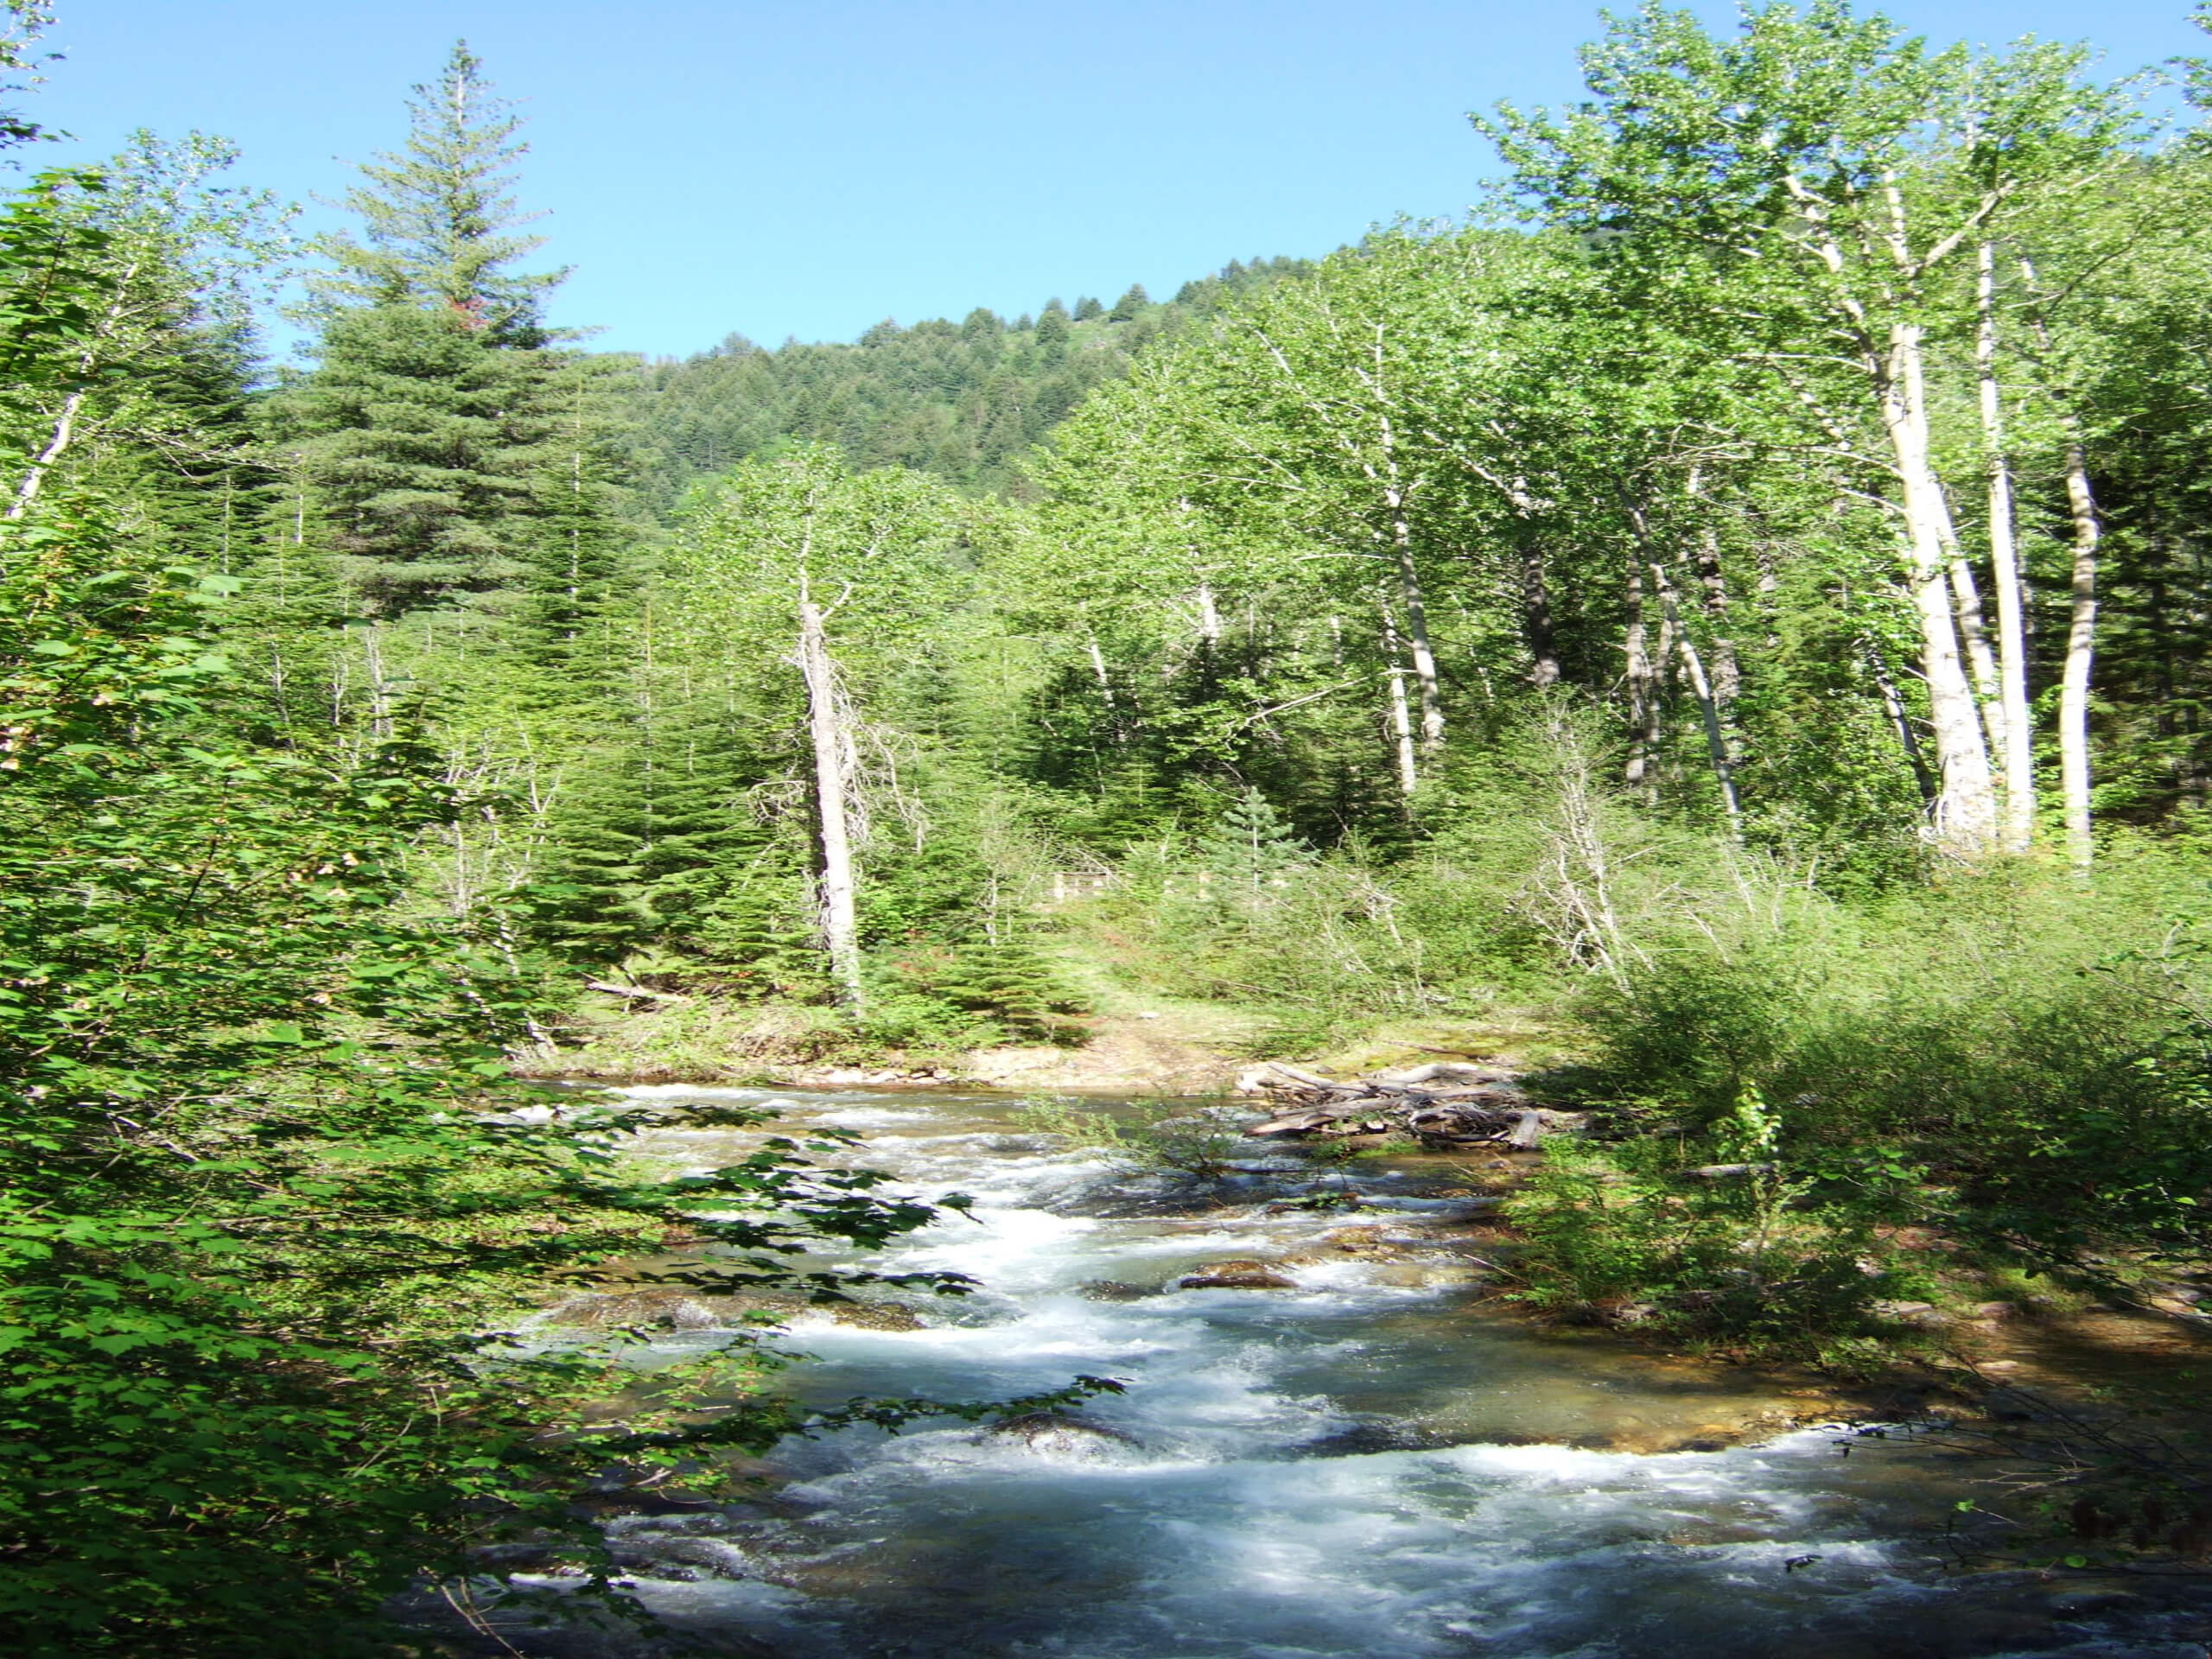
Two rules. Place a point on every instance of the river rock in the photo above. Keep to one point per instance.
(1056, 1431)
(1113, 1290)
(647, 1310)
(875, 1316)
(680, 1558)
(1363, 1241)
(677, 1310)
(1235, 1275)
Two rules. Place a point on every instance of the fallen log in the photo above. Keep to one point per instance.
(1294, 1123)
(1448, 1103)
(1271, 1077)
(1442, 1071)
(636, 991)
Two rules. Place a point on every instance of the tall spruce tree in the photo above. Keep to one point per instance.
(438, 219)
(453, 450)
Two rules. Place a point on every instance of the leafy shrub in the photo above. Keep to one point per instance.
(1765, 1260)
(260, 1207)
(2037, 1041)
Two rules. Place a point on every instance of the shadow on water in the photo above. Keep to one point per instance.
(1363, 1463)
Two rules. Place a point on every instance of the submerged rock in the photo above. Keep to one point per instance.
(1364, 1440)
(1364, 1241)
(1056, 1431)
(874, 1316)
(676, 1310)
(1236, 1276)
(1113, 1290)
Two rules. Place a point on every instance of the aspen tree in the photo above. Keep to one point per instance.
(2018, 747)
(2087, 524)
(1797, 197)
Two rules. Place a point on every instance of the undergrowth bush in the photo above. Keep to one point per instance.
(1768, 1258)
(1319, 950)
(2037, 1040)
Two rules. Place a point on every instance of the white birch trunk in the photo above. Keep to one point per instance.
(2018, 747)
(1424, 658)
(838, 890)
(1727, 673)
(1409, 589)
(2082, 620)
(1982, 661)
(2081, 653)
(1209, 617)
(65, 429)
(1966, 807)
(1401, 724)
(1642, 692)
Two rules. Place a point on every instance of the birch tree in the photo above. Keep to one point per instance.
(169, 262)
(1802, 196)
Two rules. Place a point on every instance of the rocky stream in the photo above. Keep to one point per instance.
(1333, 1442)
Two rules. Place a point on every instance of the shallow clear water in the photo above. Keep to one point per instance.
(1365, 1465)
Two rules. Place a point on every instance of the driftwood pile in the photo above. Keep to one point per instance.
(1450, 1103)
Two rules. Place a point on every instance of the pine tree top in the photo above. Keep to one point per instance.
(438, 218)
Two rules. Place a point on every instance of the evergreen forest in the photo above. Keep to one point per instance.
(1731, 618)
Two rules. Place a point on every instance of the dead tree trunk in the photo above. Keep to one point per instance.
(1901, 723)
(1536, 620)
(838, 891)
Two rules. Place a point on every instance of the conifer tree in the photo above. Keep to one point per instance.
(1052, 333)
(1252, 846)
(438, 219)
(641, 834)
(1130, 305)
(457, 459)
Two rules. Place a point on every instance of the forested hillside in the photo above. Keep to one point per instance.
(966, 401)
(1735, 613)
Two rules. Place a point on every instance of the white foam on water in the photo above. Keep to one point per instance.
(867, 1117)
(695, 1091)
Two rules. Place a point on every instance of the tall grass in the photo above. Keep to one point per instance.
(2036, 1039)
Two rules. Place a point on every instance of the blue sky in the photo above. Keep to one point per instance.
(810, 169)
